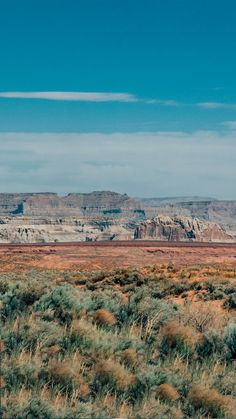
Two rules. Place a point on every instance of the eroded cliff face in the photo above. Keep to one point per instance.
(76, 204)
(105, 215)
(208, 209)
(180, 229)
(47, 217)
(40, 230)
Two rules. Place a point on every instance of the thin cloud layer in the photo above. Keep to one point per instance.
(86, 97)
(109, 97)
(140, 164)
(72, 96)
(231, 125)
(216, 105)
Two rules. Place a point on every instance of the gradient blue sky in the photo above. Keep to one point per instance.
(161, 73)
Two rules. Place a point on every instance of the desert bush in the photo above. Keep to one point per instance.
(167, 392)
(89, 338)
(148, 378)
(26, 374)
(66, 302)
(60, 374)
(144, 307)
(2, 346)
(104, 317)
(18, 297)
(52, 350)
(129, 357)
(212, 402)
(124, 277)
(2, 382)
(129, 352)
(4, 287)
(114, 374)
(16, 340)
(211, 344)
(11, 303)
(215, 290)
(126, 340)
(178, 288)
(107, 299)
(34, 409)
(201, 316)
(230, 340)
(179, 337)
(231, 301)
(156, 409)
(225, 382)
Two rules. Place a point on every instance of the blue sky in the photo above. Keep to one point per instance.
(160, 71)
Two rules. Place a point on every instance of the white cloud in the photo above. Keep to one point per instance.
(109, 97)
(163, 102)
(72, 96)
(216, 105)
(86, 97)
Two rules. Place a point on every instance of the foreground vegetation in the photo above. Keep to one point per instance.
(160, 343)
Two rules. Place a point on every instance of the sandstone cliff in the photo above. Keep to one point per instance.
(76, 204)
(105, 215)
(180, 229)
(40, 230)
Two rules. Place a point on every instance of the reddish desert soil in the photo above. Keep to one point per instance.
(108, 256)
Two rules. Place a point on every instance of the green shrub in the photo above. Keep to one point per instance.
(211, 344)
(72, 352)
(65, 301)
(35, 409)
(230, 340)
(179, 337)
(231, 301)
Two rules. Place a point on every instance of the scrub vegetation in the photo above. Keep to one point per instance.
(152, 343)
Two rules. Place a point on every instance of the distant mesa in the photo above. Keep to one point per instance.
(72, 204)
(107, 215)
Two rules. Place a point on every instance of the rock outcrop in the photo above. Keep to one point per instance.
(180, 229)
(47, 217)
(74, 204)
(106, 215)
(40, 230)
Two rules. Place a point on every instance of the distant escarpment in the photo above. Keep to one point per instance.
(106, 215)
(35, 230)
(178, 228)
(97, 203)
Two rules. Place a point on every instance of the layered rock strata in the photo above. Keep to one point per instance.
(180, 229)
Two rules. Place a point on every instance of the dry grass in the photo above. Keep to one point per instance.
(2, 346)
(88, 368)
(2, 383)
(129, 357)
(111, 371)
(167, 392)
(156, 409)
(104, 317)
(204, 316)
(212, 401)
(174, 333)
(52, 350)
(61, 372)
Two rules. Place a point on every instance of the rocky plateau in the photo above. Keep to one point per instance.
(106, 215)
